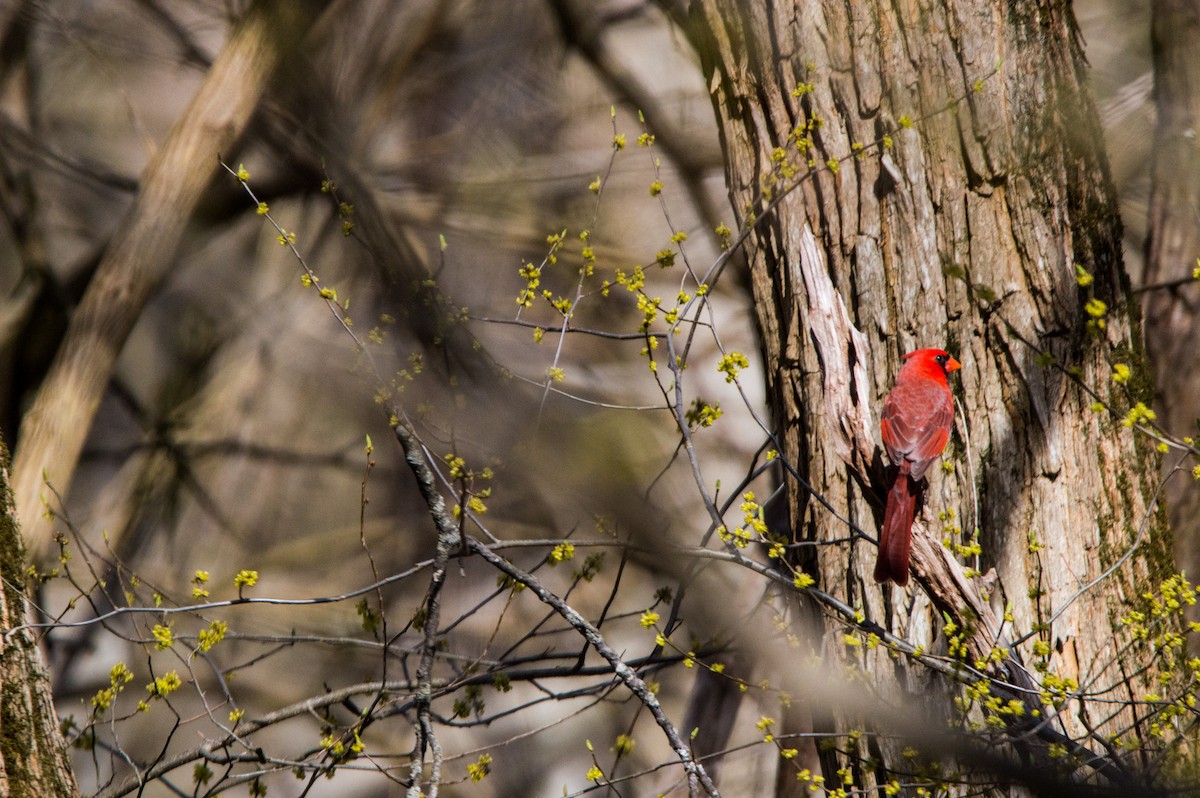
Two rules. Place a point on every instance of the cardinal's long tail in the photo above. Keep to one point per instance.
(895, 537)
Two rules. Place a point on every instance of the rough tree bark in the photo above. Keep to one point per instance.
(963, 229)
(33, 758)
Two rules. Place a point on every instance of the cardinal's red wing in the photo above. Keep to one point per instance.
(916, 425)
(930, 448)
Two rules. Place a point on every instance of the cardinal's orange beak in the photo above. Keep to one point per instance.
(952, 365)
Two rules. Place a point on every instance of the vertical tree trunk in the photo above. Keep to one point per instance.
(950, 180)
(1172, 330)
(33, 758)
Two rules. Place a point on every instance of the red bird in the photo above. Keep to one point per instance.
(917, 416)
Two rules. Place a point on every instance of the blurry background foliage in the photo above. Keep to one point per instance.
(233, 434)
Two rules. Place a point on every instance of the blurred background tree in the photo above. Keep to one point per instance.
(433, 160)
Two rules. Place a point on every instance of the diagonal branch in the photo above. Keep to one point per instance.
(449, 538)
(695, 771)
(142, 251)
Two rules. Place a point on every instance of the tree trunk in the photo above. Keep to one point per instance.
(1173, 244)
(33, 758)
(931, 175)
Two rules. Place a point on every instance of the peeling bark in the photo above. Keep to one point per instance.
(963, 230)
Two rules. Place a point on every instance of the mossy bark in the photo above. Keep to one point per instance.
(931, 174)
(33, 756)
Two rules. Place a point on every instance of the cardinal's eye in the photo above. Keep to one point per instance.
(941, 359)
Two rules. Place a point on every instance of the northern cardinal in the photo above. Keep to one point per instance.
(917, 416)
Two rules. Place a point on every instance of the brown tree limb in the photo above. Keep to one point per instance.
(141, 254)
